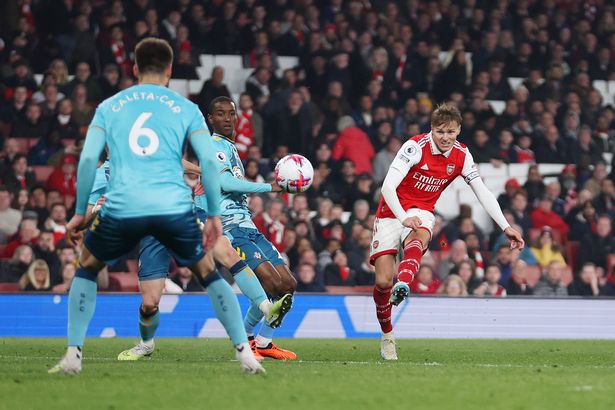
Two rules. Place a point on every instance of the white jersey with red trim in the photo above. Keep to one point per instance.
(428, 171)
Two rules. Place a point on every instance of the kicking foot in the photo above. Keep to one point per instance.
(70, 363)
(257, 355)
(388, 349)
(275, 352)
(279, 310)
(138, 352)
(247, 361)
(400, 291)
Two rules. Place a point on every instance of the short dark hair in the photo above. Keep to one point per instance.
(220, 99)
(153, 55)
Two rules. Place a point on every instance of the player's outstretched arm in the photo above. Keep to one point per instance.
(86, 172)
(231, 184)
(490, 203)
(204, 150)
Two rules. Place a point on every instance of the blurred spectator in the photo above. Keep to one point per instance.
(599, 174)
(11, 270)
(57, 221)
(45, 249)
(307, 281)
(504, 259)
(63, 123)
(9, 217)
(534, 186)
(10, 150)
(459, 253)
(67, 273)
(545, 249)
(27, 235)
(453, 286)
(20, 175)
(37, 277)
(491, 286)
(384, 158)
(517, 284)
(425, 282)
(64, 177)
(543, 215)
(466, 270)
(605, 201)
(599, 244)
(551, 149)
(587, 283)
(212, 88)
(83, 76)
(109, 82)
(609, 287)
(82, 112)
(31, 125)
(185, 279)
(510, 188)
(353, 144)
(525, 254)
(550, 284)
(16, 109)
(292, 125)
(338, 273)
(584, 222)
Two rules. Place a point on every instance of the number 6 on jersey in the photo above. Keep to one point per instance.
(138, 131)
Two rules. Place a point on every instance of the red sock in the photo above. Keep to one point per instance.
(407, 269)
(383, 308)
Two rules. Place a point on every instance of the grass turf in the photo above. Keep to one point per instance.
(340, 374)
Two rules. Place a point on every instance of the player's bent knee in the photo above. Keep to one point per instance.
(149, 306)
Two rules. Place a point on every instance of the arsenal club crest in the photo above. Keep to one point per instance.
(375, 244)
(450, 168)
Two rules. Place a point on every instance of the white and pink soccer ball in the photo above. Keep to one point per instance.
(294, 173)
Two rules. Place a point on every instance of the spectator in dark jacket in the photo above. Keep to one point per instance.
(31, 125)
(597, 246)
(517, 284)
(186, 280)
(308, 282)
(20, 175)
(212, 88)
(586, 284)
(337, 273)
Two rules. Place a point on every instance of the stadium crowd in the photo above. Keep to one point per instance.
(370, 73)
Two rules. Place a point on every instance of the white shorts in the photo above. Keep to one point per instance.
(389, 233)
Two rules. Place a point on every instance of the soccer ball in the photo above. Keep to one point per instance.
(294, 173)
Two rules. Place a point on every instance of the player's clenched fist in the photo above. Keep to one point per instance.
(412, 222)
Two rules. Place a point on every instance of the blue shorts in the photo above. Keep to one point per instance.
(154, 259)
(253, 247)
(110, 237)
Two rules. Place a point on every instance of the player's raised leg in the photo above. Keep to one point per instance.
(414, 246)
(249, 284)
(262, 343)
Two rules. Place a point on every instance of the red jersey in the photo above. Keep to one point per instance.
(427, 173)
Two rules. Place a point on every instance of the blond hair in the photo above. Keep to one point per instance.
(29, 276)
(444, 114)
(454, 278)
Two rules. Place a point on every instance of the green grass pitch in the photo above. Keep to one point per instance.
(331, 374)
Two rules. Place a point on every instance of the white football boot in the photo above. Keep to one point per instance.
(70, 363)
(246, 359)
(388, 349)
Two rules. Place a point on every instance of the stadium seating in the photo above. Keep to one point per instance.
(42, 172)
(128, 281)
(9, 287)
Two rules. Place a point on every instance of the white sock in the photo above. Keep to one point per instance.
(149, 343)
(74, 352)
(262, 341)
(265, 307)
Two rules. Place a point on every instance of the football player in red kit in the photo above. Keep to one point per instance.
(424, 166)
